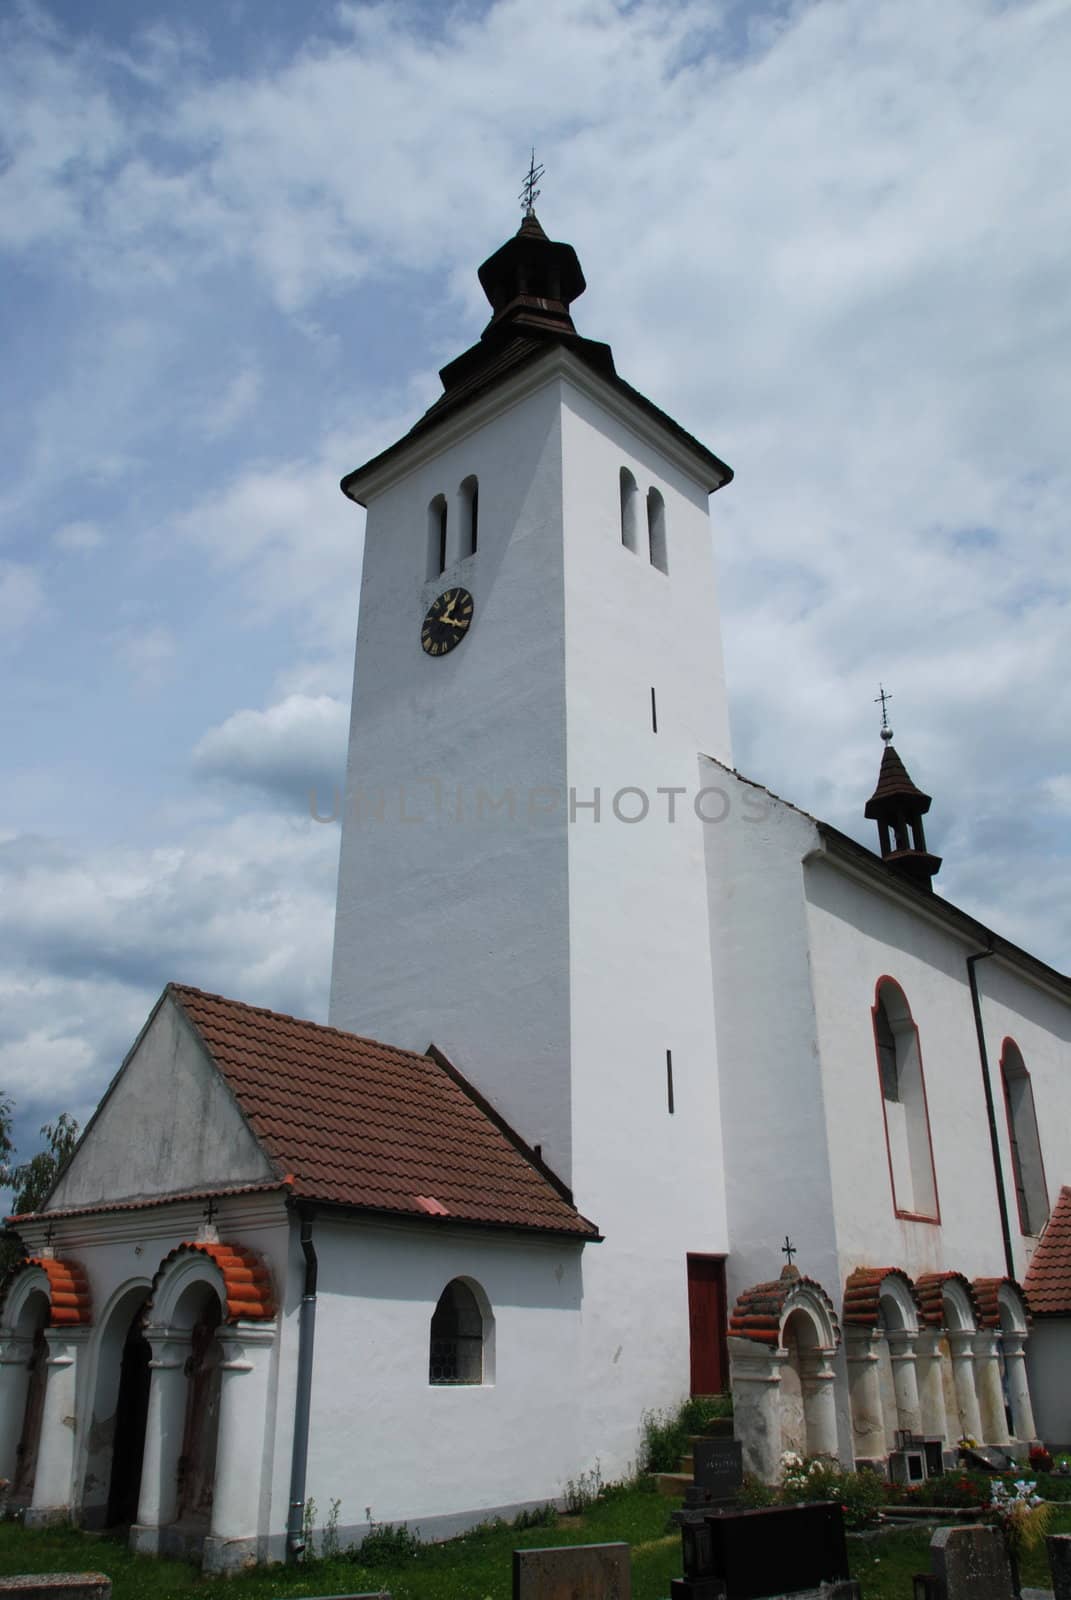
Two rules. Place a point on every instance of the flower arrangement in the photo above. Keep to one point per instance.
(1040, 1458)
(1019, 1511)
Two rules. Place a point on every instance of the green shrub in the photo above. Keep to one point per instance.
(385, 1543)
(666, 1433)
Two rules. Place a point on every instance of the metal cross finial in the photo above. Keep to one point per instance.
(210, 1211)
(883, 698)
(50, 1233)
(529, 193)
(789, 1249)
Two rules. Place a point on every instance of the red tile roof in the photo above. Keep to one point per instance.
(1048, 1278)
(862, 1294)
(68, 1290)
(355, 1123)
(246, 1280)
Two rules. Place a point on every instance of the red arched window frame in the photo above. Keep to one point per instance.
(1022, 1204)
(886, 982)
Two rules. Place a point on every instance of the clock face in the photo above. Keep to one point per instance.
(447, 621)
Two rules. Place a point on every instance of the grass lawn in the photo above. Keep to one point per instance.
(476, 1567)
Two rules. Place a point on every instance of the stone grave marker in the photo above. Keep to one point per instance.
(56, 1586)
(717, 1473)
(1059, 1548)
(573, 1572)
(971, 1564)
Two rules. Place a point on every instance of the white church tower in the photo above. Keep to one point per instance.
(538, 667)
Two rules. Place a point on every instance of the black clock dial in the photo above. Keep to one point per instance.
(447, 621)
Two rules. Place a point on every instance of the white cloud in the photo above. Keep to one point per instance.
(223, 413)
(78, 536)
(293, 749)
(22, 600)
(147, 654)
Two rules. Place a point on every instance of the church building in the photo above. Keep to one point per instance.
(613, 1032)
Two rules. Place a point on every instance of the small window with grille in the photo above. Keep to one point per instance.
(457, 1335)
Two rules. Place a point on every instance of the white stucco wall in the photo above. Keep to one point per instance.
(382, 1436)
(638, 934)
(167, 1124)
(1048, 1357)
(454, 929)
(858, 935)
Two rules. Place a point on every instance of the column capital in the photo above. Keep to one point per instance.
(1013, 1343)
(985, 1343)
(901, 1342)
(15, 1350)
(861, 1344)
(961, 1341)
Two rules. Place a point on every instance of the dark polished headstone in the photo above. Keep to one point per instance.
(768, 1551)
(1059, 1548)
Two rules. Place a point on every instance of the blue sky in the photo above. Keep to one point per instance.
(237, 242)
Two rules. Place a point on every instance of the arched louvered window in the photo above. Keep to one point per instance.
(470, 516)
(1028, 1169)
(457, 1336)
(630, 513)
(903, 1101)
(437, 520)
(656, 530)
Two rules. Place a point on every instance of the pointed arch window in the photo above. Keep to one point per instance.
(656, 530)
(903, 1103)
(459, 1332)
(470, 515)
(1028, 1169)
(630, 511)
(437, 522)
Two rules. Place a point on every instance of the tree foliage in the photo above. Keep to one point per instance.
(31, 1180)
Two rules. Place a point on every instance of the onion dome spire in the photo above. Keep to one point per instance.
(898, 807)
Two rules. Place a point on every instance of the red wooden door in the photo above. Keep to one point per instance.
(706, 1321)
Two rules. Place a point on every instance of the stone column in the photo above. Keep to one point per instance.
(901, 1343)
(1023, 1425)
(961, 1343)
(53, 1486)
(243, 1402)
(864, 1387)
(15, 1355)
(990, 1389)
(158, 1500)
(755, 1377)
(820, 1405)
(929, 1369)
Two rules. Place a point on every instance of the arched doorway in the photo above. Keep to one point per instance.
(31, 1327)
(131, 1411)
(197, 1463)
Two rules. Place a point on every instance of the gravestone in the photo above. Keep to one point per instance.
(971, 1564)
(1059, 1548)
(717, 1473)
(765, 1553)
(573, 1572)
(56, 1586)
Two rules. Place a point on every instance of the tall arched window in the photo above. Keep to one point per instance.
(437, 516)
(470, 515)
(903, 1101)
(1027, 1168)
(656, 530)
(630, 515)
(458, 1334)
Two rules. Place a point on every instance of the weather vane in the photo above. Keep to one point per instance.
(886, 731)
(529, 193)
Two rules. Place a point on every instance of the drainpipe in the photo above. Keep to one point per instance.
(299, 1460)
(998, 1170)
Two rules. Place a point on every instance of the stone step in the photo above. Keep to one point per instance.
(673, 1484)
